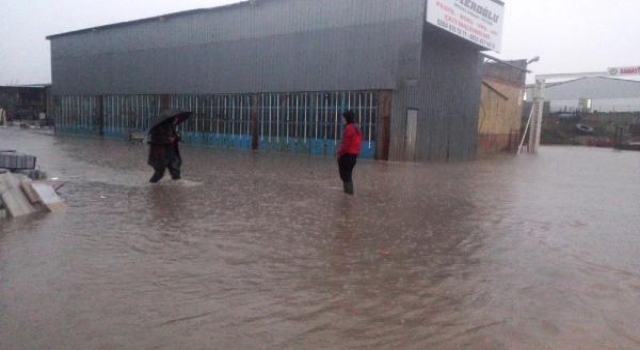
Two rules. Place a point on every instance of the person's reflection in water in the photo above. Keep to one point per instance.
(346, 223)
(169, 213)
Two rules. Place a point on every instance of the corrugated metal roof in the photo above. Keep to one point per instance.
(173, 15)
(157, 18)
(593, 88)
(278, 45)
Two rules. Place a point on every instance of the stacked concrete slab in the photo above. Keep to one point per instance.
(19, 193)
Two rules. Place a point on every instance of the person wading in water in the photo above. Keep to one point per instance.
(348, 151)
(164, 152)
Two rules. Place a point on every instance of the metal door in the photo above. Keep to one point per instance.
(410, 137)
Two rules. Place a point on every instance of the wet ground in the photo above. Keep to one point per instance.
(264, 251)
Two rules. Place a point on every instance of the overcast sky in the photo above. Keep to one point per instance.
(568, 35)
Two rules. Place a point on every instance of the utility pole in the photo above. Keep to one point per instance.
(535, 127)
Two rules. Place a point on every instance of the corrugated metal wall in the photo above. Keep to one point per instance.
(449, 91)
(276, 46)
(289, 46)
(595, 88)
(404, 98)
(447, 97)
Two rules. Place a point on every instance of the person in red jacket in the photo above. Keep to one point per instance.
(348, 151)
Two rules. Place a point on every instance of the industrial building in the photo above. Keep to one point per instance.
(27, 102)
(276, 74)
(591, 95)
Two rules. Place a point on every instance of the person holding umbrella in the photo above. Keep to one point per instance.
(348, 151)
(163, 141)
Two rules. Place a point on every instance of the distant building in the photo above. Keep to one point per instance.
(276, 74)
(592, 95)
(24, 102)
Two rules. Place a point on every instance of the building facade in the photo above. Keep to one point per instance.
(501, 106)
(276, 74)
(592, 95)
(24, 102)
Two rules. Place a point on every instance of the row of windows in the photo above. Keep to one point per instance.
(277, 115)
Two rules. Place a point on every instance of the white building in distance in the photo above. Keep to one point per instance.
(588, 95)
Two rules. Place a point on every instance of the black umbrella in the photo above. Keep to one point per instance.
(169, 116)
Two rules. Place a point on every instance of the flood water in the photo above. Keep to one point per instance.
(264, 251)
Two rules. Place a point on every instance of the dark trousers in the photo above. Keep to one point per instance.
(346, 162)
(162, 157)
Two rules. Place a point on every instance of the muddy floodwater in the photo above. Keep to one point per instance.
(264, 251)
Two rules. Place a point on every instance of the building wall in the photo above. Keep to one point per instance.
(22, 102)
(290, 46)
(600, 105)
(299, 122)
(449, 97)
(596, 88)
(500, 118)
(404, 98)
(606, 94)
(276, 46)
(501, 106)
(446, 95)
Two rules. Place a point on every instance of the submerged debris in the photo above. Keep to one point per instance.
(23, 189)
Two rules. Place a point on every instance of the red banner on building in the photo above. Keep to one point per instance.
(624, 70)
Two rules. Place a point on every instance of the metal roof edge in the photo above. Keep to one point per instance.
(585, 78)
(155, 18)
(25, 86)
(621, 79)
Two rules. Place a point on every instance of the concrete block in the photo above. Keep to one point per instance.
(13, 200)
(48, 197)
(29, 192)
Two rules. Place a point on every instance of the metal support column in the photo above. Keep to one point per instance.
(536, 123)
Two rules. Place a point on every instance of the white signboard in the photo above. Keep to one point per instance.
(479, 21)
(624, 70)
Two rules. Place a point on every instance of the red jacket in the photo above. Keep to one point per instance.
(351, 141)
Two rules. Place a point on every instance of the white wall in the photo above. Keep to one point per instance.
(600, 105)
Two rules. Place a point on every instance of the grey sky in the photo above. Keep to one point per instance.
(568, 35)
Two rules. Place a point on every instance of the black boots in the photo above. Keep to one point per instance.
(348, 187)
(157, 175)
